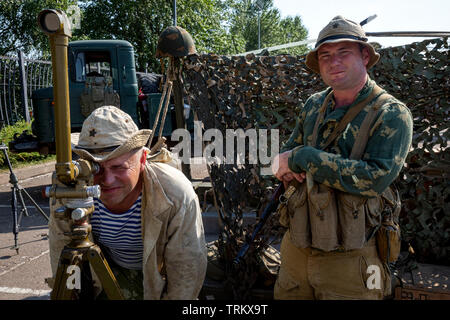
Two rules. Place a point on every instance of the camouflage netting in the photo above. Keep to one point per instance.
(269, 92)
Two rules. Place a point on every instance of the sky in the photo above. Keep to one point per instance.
(392, 15)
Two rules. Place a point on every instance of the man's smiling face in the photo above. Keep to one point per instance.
(342, 64)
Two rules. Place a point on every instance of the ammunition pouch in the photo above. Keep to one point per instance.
(297, 218)
(311, 217)
(323, 217)
(388, 236)
(352, 211)
(329, 219)
(388, 242)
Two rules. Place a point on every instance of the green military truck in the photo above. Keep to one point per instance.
(101, 72)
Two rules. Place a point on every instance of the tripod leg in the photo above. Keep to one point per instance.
(87, 288)
(101, 268)
(61, 289)
(38, 208)
(15, 222)
(24, 207)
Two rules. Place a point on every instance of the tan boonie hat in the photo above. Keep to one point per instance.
(107, 133)
(341, 29)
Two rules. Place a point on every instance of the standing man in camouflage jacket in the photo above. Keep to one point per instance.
(329, 251)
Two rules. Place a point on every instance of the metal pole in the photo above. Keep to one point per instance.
(174, 12)
(59, 44)
(409, 34)
(23, 86)
(259, 30)
(57, 26)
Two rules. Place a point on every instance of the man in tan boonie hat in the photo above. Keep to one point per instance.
(147, 220)
(340, 29)
(347, 148)
(107, 133)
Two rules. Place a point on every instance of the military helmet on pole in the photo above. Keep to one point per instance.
(175, 41)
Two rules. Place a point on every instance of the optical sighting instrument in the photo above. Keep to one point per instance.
(72, 189)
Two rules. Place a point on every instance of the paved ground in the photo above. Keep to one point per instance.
(22, 273)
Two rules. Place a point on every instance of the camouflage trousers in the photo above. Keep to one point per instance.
(310, 274)
(130, 282)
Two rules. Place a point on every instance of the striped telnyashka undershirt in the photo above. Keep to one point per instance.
(119, 233)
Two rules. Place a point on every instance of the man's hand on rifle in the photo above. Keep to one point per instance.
(281, 171)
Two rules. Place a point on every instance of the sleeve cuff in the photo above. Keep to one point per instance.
(294, 160)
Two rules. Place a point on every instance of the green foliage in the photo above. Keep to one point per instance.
(141, 23)
(7, 134)
(243, 17)
(291, 30)
(203, 20)
(19, 29)
(218, 26)
(223, 27)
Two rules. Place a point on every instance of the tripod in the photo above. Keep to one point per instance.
(73, 273)
(17, 190)
(73, 279)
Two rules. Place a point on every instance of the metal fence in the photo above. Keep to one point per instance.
(19, 77)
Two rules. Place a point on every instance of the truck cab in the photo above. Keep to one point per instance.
(101, 72)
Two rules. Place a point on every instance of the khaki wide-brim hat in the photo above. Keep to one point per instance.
(108, 133)
(340, 29)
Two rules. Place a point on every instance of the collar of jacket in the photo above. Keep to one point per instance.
(155, 203)
(154, 193)
(332, 114)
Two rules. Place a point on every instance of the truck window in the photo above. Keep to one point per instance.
(92, 63)
(80, 68)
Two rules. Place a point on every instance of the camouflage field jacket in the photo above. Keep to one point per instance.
(388, 145)
(172, 232)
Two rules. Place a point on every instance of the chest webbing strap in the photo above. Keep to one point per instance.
(363, 135)
(348, 117)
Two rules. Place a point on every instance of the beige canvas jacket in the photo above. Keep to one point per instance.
(172, 232)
